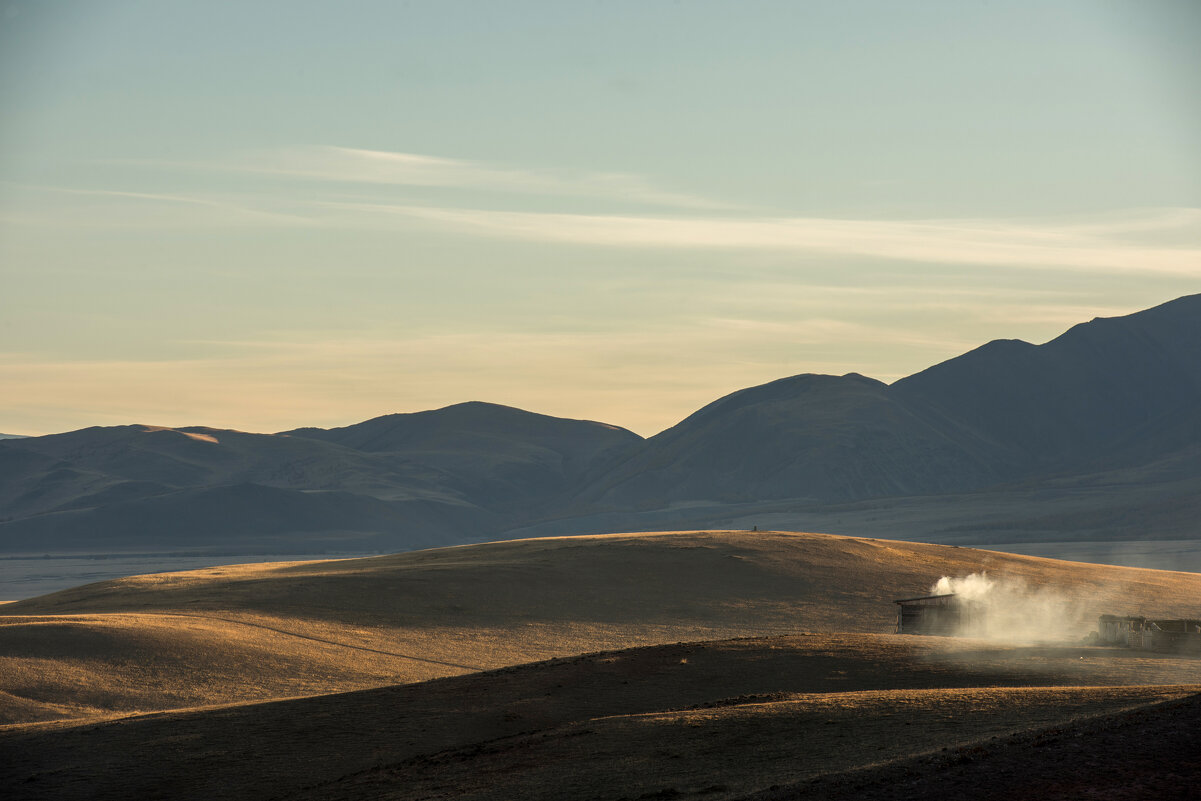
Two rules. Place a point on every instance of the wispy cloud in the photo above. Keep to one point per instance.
(1098, 246)
(357, 165)
(1140, 241)
(117, 209)
(1010, 307)
(1143, 241)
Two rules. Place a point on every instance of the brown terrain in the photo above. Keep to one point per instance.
(687, 664)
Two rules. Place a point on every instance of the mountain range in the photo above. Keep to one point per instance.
(1095, 435)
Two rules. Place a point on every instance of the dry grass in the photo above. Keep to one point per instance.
(749, 713)
(86, 665)
(644, 692)
(730, 751)
(252, 632)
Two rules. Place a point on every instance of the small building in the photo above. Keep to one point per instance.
(1175, 636)
(930, 614)
(1127, 631)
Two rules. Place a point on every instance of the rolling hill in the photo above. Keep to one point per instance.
(708, 664)
(447, 611)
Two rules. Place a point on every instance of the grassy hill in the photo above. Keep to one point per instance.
(710, 663)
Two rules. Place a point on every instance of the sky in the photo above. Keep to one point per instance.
(264, 215)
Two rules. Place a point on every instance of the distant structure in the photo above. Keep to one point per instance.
(1168, 636)
(932, 614)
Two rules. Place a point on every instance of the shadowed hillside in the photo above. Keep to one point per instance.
(1078, 397)
(401, 482)
(1116, 392)
(500, 457)
(242, 518)
(810, 437)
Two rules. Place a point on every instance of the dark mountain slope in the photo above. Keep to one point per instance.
(402, 481)
(465, 426)
(95, 466)
(818, 437)
(243, 518)
(1058, 405)
(197, 456)
(501, 457)
(1109, 394)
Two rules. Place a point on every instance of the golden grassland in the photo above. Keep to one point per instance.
(252, 632)
(743, 714)
(709, 663)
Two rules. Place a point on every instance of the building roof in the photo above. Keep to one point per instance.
(925, 598)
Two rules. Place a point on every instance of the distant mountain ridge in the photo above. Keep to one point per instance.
(1007, 411)
(814, 437)
(401, 481)
(504, 457)
(1076, 396)
(1094, 433)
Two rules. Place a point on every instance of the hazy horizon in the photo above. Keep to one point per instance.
(276, 215)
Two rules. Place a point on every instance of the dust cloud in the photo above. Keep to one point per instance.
(1009, 609)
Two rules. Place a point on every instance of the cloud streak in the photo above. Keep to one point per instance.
(117, 209)
(1076, 246)
(1142, 241)
(357, 165)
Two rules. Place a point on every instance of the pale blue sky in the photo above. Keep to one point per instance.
(261, 215)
